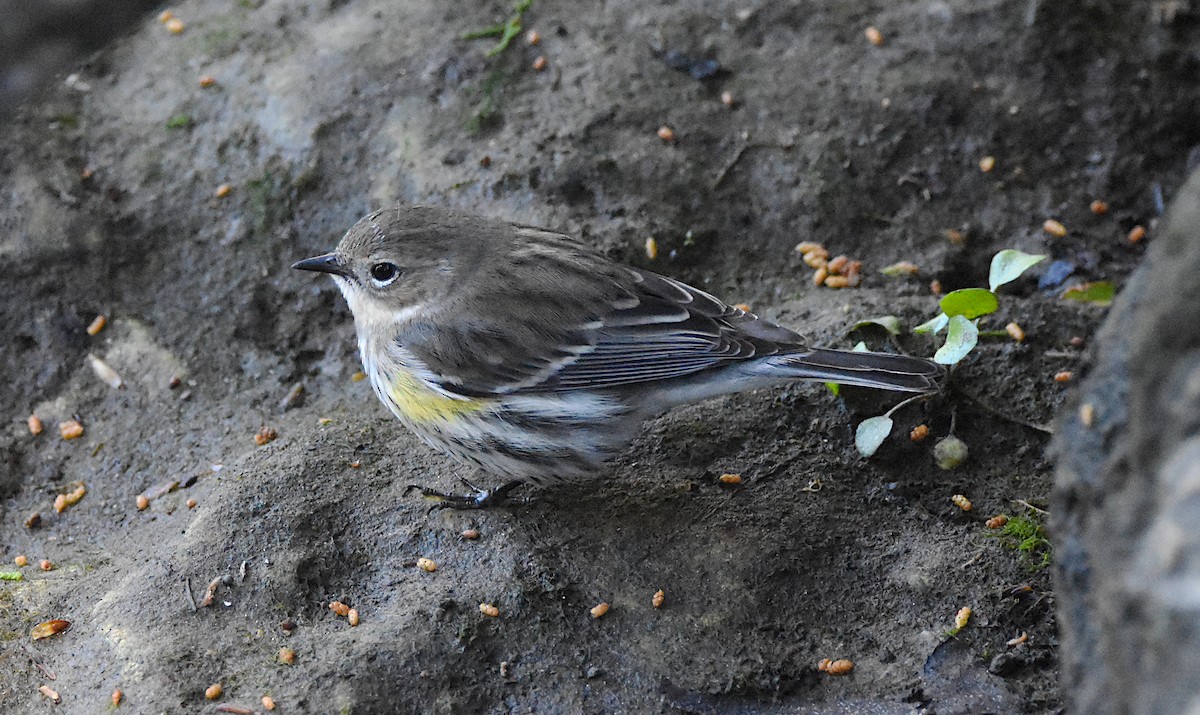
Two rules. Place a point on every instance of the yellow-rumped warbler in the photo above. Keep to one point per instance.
(519, 350)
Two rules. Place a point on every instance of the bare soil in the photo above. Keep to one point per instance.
(322, 111)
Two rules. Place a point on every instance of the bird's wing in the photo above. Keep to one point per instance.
(632, 327)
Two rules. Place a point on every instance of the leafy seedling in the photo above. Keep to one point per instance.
(959, 317)
(506, 30)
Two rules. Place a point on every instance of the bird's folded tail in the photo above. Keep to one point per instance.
(882, 371)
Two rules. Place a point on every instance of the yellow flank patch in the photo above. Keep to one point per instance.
(417, 402)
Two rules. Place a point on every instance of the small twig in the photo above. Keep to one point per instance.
(187, 588)
(910, 400)
(972, 560)
(210, 593)
(50, 674)
(720, 504)
(737, 156)
(1065, 354)
(1031, 507)
(993, 411)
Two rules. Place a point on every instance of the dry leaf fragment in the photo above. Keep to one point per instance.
(49, 628)
(50, 693)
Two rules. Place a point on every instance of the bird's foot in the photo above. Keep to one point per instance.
(476, 499)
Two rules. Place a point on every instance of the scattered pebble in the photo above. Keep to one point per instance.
(46, 565)
(70, 429)
(175, 26)
(105, 372)
(427, 565)
(49, 628)
(1087, 414)
(1137, 233)
(35, 425)
(962, 617)
(666, 133)
(21, 560)
(166, 16)
(1015, 332)
(207, 81)
(191, 503)
(919, 433)
(539, 63)
(874, 36)
(987, 163)
(265, 435)
(471, 534)
(485, 161)
(658, 598)
(727, 99)
(1099, 207)
(116, 697)
(489, 610)
(1063, 376)
(223, 190)
(97, 325)
(962, 502)
(174, 382)
(954, 236)
(730, 479)
(213, 691)
(599, 610)
(651, 248)
(533, 37)
(1018, 640)
(997, 522)
(1076, 341)
(287, 656)
(32, 521)
(352, 617)
(835, 667)
(935, 287)
(339, 608)
(50, 693)
(268, 703)
(1054, 228)
(143, 502)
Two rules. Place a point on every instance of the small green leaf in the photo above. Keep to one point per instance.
(11, 576)
(960, 340)
(870, 434)
(970, 303)
(1008, 265)
(889, 323)
(834, 387)
(179, 121)
(1099, 293)
(933, 326)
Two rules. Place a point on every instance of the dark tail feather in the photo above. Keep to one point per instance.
(882, 371)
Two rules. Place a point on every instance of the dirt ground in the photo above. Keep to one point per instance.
(322, 111)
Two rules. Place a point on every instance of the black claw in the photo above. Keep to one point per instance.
(477, 499)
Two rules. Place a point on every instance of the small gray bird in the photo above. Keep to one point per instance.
(523, 352)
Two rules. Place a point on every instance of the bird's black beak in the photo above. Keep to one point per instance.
(328, 263)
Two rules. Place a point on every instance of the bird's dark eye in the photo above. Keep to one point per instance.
(384, 273)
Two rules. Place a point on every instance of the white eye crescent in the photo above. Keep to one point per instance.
(383, 273)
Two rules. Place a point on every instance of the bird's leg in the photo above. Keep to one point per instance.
(476, 499)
